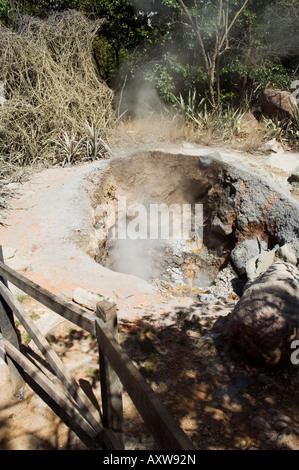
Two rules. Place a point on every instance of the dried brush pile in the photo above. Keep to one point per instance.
(53, 93)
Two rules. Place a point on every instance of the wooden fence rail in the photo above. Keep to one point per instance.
(116, 369)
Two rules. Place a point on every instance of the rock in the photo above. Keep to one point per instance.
(220, 325)
(269, 437)
(244, 252)
(264, 379)
(8, 252)
(280, 426)
(208, 159)
(273, 411)
(265, 320)
(178, 260)
(14, 262)
(284, 419)
(259, 264)
(286, 430)
(277, 104)
(294, 178)
(221, 227)
(260, 423)
(287, 254)
(273, 146)
(91, 299)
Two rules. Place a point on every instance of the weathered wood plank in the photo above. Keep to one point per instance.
(110, 440)
(51, 390)
(7, 324)
(86, 406)
(2, 351)
(157, 418)
(6, 315)
(159, 421)
(2, 261)
(72, 313)
(111, 387)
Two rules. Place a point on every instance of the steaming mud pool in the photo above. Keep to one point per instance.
(235, 205)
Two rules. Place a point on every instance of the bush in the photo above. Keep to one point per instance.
(51, 88)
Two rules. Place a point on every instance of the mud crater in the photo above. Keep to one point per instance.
(237, 205)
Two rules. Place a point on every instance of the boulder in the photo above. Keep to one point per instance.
(245, 251)
(257, 265)
(265, 321)
(277, 103)
(91, 300)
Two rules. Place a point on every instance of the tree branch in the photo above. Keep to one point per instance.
(225, 36)
(197, 32)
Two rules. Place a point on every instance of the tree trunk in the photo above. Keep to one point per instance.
(222, 31)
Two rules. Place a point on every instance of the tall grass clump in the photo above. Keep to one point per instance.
(221, 122)
(286, 131)
(52, 89)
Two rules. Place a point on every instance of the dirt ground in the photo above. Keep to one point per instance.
(220, 399)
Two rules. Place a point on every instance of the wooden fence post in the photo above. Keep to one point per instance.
(111, 386)
(9, 333)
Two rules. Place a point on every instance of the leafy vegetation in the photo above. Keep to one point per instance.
(65, 64)
(51, 89)
(222, 48)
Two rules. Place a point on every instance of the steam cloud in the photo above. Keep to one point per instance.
(135, 257)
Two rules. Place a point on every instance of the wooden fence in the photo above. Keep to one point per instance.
(102, 424)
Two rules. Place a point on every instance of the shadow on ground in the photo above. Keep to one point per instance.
(221, 399)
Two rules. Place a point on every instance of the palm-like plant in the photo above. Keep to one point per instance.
(72, 147)
(286, 130)
(95, 145)
(223, 121)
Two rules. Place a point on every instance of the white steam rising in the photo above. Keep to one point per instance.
(135, 257)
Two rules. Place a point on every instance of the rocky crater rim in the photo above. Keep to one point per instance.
(237, 206)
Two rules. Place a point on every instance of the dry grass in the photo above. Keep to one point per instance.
(253, 140)
(154, 129)
(52, 89)
(163, 129)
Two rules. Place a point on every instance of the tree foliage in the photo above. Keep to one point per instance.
(223, 49)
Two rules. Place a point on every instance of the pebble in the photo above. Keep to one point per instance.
(286, 431)
(264, 379)
(260, 423)
(284, 418)
(269, 436)
(273, 411)
(278, 387)
(85, 348)
(280, 425)
(178, 260)
(285, 434)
